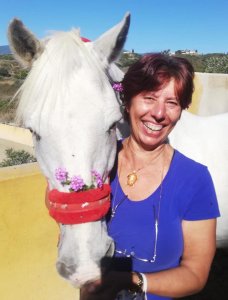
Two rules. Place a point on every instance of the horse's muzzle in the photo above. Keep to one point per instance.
(81, 276)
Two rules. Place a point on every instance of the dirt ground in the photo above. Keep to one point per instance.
(217, 285)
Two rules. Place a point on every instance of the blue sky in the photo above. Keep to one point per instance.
(156, 25)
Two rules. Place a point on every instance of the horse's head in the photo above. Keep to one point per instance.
(68, 103)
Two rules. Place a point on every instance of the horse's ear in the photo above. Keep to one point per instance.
(109, 45)
(24, 45)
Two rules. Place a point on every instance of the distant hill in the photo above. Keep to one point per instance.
(5, 50)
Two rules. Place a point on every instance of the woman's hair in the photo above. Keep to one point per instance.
(153, 71)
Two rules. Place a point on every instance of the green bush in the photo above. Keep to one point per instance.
(128, 59)
(16, 157)
(4, 72)
(21, 74)
(6, 57)
(217, 64)
(7, 105)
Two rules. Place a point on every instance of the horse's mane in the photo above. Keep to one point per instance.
(51, 79)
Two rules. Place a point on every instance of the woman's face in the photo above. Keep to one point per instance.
(153, 115)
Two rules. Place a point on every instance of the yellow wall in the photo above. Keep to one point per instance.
(28, 239)
(16, 134)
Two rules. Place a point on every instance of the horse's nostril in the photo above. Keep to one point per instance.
(64, 270)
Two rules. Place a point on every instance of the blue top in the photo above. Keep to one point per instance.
(186, 193)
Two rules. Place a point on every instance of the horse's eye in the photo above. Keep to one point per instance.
(37, 136)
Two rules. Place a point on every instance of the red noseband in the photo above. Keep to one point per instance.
(79, 207)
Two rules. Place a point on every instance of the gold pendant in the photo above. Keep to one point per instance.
(132, 178)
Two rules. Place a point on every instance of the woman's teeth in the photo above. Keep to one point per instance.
(152, 127)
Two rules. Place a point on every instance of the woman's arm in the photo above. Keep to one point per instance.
(191, 276)
(188, 278)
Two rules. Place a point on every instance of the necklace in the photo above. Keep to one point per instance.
(132, 177)
(130, 254)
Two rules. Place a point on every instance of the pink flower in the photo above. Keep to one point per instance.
(97, 178)
(61, 174)
(77, 183)
(117, 87)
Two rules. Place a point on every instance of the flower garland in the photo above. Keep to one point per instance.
(76, 183)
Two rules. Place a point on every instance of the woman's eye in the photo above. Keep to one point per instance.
(149, 99)
(173, 103)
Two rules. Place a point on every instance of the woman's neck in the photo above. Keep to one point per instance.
(136, 154)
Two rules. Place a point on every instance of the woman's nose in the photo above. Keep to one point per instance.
(158, 111)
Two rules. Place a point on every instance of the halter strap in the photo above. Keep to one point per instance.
(79, 207)
(85, 40)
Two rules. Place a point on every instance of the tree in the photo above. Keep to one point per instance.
(166, 52)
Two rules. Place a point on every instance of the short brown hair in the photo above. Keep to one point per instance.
(152, 71)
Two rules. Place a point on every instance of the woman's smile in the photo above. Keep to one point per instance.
(152, 127)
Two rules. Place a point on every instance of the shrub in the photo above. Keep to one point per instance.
(4, 72)
(21, 74)
(7, 105)
(16, 157)
(128, 59)
(217, 64)
(6, 57)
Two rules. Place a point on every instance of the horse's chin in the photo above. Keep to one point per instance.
(82, 276)
(78, 280)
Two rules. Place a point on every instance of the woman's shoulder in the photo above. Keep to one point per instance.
(196, 189)
(184, 161)
(188, 169)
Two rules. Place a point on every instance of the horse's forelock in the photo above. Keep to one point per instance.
(64, 54)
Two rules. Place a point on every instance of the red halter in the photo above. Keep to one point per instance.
(79, 207)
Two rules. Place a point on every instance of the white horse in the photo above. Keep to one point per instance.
(68, 103)
(205, 140)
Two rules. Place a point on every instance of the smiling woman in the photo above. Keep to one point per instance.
(168, 236)
(162, 103)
